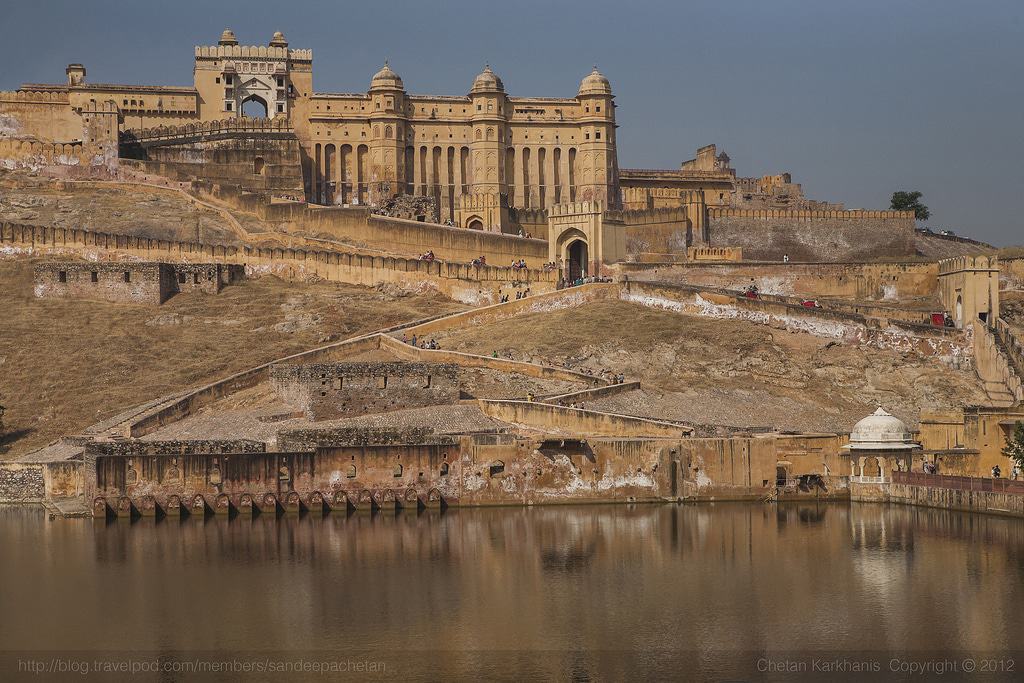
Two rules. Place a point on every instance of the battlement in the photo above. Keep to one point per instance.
(632, 216)
(252, 52)
(809, 215)
(235, 125)
(35, 96)
(575, 208)
(968, 262)
(479, 201)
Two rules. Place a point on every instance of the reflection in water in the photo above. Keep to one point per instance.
(577, 592)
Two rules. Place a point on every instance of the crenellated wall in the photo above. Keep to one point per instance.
(805, 235)
(462, 281)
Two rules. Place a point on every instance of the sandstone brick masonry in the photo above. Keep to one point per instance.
(813, 235)
(328, 391)
(129, 282)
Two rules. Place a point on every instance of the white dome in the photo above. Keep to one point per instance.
(386, 78)
(595, 84)
(881, 431)
(487, 81)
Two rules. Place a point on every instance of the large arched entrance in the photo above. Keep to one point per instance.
(576, 265)
(475, 224)
(255, 107)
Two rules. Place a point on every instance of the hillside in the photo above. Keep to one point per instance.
(723, 372)
(67, 364)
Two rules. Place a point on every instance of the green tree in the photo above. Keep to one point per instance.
(910, 201)
(1015, 445)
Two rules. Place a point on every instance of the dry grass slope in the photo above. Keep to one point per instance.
(67, 364)
(719, 372)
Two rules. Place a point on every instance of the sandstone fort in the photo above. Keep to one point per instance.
(578, 331)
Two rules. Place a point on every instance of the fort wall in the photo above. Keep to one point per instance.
(558, 419)
(460, 281)
(328, 391)
(771, 234)
(129, 281)
(655, 230)
(138, 283)
(472, 471)
(1011, 273)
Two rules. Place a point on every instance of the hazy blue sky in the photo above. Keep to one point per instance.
(855, 99)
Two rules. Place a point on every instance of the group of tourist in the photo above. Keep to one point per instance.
(519, 265)
(565, 284)
(525, 234)
(428, 256)
(1014, 473)
(421, 342)
(479, 261)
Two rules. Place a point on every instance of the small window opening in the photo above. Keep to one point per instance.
(497, 467)
(351, 472)
(94, 276)
(444, 469)
(181, 278)
(398, 470)
(62, 276)
(127, 276)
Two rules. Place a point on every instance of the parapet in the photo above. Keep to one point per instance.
(233, 125)
(575, 208)
(252, 52)
(968, 262)
(36, 96)
(808, 215)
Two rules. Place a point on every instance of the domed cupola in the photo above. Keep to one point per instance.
(595, 84)
(487, 81)
(278, 40)
(228, 38)
(386, 78)
(881, 431)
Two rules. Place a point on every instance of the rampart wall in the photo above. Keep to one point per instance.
(45, 116)
(771, 234)
(460, 281)
(1011, 273)
(655, 231)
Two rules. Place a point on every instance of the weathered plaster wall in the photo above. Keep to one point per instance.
(481, 470)
(328, 391)
(771, 234)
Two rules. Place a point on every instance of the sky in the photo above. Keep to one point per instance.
(856, 99)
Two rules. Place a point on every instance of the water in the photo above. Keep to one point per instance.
(585, 593)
